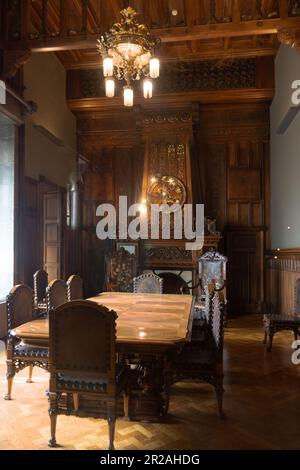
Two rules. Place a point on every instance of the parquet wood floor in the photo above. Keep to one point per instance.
(261, 403)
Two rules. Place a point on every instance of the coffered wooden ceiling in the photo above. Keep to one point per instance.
(189, 29)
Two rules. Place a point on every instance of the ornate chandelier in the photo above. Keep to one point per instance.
(128, 54)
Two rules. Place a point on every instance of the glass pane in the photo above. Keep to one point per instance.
(7, 154)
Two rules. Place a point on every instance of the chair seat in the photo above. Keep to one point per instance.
(88, 384)
(284, 319)
(31, 351)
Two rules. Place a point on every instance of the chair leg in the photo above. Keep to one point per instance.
(265, 338)
(111, 430)
(52, 399)
(29, 380)
(9, 388)
(53, 420)
(220, 392)
(10, 377)
(76, 401)
(296, 334)
(126, 405)
(271, 335)
(111, 419)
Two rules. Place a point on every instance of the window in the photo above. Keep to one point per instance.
(7, 161)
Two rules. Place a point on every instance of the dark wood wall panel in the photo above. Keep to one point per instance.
(230, 161)
(233, 147)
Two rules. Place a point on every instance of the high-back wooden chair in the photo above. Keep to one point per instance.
(148, 284)
(56, 294)
(20, 309)
(212, 268)
(40, 283)
(202, 359)
(275, 320)
(83, 362)
(74, 288)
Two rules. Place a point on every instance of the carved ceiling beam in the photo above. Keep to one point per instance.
(169, 35)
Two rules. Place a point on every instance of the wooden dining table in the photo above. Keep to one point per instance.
(151, 330)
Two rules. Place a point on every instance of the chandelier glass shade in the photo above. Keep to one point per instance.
(128, 52)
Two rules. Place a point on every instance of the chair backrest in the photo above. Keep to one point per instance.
(56, 294)
(40, 284)
(148, 284)
(83, 342)
(20, 306)
(212, 267)
(74, 288)
(121, 268)
(217, 313)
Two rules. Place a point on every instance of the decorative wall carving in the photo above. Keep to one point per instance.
(290, 37)
(166, 117)
(185, 76)
(13, 60)
(207, 75)
(169, 253)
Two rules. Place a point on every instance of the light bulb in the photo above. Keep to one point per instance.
(110, 87)
(108, 67)
(154, 67)
(128, 96)
(148, 89)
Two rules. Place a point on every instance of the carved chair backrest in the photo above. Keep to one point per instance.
(40, 283)
(121, 269)
(56, 294)
(20, 306)
(212, 268)
(83, 342)
(148, 284)
(74, 288)
(217, 312)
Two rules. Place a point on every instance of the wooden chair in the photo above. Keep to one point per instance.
(83, 362)
(148, 284)
(56, 294)
(40, 283)
(202, 360)
(121, 268)
(74, 288)
(20, 309)
(275, 321)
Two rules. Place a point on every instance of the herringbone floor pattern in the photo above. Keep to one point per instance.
(261, 403)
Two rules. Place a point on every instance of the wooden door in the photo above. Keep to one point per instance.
(245, 271)
(53, 234)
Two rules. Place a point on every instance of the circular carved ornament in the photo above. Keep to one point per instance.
(167, 190)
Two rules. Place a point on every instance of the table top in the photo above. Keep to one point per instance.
(142, 318)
